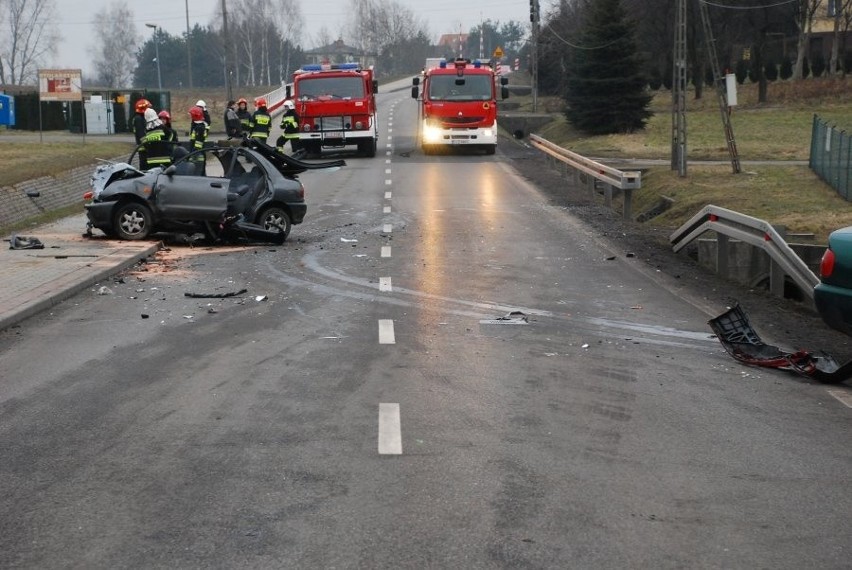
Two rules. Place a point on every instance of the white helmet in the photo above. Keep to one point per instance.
(201, 104)
(150, 115)
(289, 104)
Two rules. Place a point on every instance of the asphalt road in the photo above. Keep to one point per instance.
(364, 405)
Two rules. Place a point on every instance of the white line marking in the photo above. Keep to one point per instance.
(387, 195)
(387, 161)
(386, 210)
(387, 170)
(390, 145)
(390, 130)
(388, 182)
(844, 396)
(387, 228)
(388, 153)
(385, 285)
(386, 251)
(390, 430)
(386, 335)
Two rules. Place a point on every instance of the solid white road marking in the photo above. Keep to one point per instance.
(386, 210)
(844, 396)
(385, 284)
(386, 335)
(387, 195)
(386, 251)
(387, 228)
(390, 430)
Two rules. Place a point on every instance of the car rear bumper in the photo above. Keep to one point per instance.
(297, 211)
(834, 305)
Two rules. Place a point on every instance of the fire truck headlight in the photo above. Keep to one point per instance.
(306, 127)
(359, 125)
(431, 134)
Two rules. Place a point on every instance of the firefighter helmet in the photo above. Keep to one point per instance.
(142, 104)
(260, 102)
(242, 101)
(164, 116)
(288, 104)
(201, 104)
(196, 113)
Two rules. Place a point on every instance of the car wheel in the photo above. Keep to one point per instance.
(132, 221)
(275, 217)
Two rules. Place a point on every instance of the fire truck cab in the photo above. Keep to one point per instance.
(336, 104)
(458, 105)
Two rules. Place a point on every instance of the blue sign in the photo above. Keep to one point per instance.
(7, 110)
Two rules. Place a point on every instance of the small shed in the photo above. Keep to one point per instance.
(7, 110)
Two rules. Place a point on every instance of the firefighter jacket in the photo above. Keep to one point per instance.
(197, 135)
(157, 147)
(245, 118)
(139, 127)
(290, 125)
(171, 134)
(261, 123)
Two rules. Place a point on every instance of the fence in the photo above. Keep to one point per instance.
(831, 156)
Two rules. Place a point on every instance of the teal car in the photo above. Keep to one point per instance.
(833, 295)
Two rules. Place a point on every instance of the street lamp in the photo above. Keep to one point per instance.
(157, 54)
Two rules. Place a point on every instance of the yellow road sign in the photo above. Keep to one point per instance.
(498, 53)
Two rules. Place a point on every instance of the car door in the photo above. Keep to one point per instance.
(196, 189)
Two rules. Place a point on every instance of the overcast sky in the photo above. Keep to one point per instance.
(74, 18)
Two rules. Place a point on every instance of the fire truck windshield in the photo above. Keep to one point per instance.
(330, 88)
(454, 88)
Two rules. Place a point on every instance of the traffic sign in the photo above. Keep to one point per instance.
(498, 53)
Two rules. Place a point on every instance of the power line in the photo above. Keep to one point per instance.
(748, 7)
(575, 46)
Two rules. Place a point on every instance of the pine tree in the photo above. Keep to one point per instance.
(606, 88)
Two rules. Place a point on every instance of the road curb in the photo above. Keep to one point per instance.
(59, 290)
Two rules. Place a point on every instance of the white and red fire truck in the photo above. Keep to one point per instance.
(458, 105)
(336, 104)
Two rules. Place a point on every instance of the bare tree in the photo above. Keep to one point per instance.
(29, 37)
(378, 24)
(805, 10)
(115, 56)
(842, 18)
(287, 16)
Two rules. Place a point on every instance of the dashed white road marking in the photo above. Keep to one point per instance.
(388, 182)
(386, 335)
(387, 161)
(390, 130)
(387, 170)
(390, 430)
(387, 228)
(390, 145)
(386, 210)
(386, 251)
(385, 285)
(388, 153)
(844, 396)
(387, 195)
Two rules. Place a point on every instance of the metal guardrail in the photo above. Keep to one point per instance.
(627, 180)
(758, 233)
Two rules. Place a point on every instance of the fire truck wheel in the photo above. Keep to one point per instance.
(490, 149)
(428, 149)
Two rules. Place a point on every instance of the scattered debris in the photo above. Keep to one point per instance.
(25, 242)
(104, 290)
(344, 240)
(585, 345)
(216, 295)
(513, 318)
(610, 258)
(630, 254)
(260, 298)
(145, 316)
(742, 342)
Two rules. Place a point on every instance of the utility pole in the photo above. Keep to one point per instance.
(535, 18)
(719, 82)
(188, 47)
(679, 91)
(227, 44)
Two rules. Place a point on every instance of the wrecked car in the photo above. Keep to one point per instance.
(225, 191)
(833, 294)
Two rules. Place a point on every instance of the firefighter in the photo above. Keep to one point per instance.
(244, 115)
(290, 128)
(155, 143)
(233, 128)
(261, 121)
(139, 119)
(178, 151)
(203, 106)
(197, 138)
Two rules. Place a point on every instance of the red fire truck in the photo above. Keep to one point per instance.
(458, 105)
(336, 104)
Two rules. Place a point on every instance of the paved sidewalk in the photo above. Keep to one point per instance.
(32, 280)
